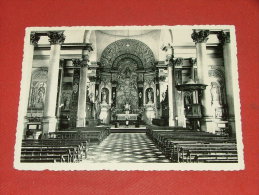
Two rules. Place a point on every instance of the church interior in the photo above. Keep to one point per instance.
(129, 96)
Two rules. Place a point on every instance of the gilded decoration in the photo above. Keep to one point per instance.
(127, 90)
(200, 36)
(137, 50)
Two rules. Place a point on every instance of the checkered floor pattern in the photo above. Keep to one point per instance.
(126, 148)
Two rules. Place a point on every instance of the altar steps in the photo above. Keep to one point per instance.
(128, 130)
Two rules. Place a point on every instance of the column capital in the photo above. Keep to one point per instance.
(192, 61)
(78, 62)
(200, 36)
(56, 37)
(176, 62)
(89, 47)
(34, 38)
(224, 37)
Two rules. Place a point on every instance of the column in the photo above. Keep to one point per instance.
(224, 38)
(81, 112)
(49, 120)
(200, 38)
(171, 95)
(26, 79)
(175, 62)
(171, 84)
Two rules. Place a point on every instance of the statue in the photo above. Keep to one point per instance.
(149, 97)
(215, 94)
(67, 103)
(127, 107)
(104, 97)
(41, 93)
(97, 108)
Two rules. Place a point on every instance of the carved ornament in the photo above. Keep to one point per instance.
(127, 46)
(56, 38)
(34, 38)
(224, 37)
(200, 36)
(177, 61)
(79, 62)
(193, 61)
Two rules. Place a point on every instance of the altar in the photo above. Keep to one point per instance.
(124, 117)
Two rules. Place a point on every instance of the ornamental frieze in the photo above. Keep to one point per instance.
(200, 36)
(127, 46)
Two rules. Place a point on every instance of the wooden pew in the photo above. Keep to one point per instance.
(53, 150)
(183, 145)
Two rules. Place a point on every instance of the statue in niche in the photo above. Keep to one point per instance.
(67, 103)
(39, 100)
(66, 99)
(149, 97)
(97, 108)
(215, 93)
(41, 93)
(104, 97)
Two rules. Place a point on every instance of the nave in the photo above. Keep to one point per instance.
(126, 148)
(157, 145)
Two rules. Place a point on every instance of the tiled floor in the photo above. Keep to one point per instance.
(126, 148)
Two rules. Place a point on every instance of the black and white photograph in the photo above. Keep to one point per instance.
(129, 98)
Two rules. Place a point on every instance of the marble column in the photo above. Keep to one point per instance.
(178, 100)
(26, 79)
(49, 115)
(224, 38)
(171, 98)
(171, 84)
(200, 38)
(81, 112)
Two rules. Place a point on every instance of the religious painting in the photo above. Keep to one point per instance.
(38, 89)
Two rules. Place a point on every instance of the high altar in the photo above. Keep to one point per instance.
(118, 78)
(127, 116)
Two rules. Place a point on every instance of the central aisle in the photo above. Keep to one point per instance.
(126, 148)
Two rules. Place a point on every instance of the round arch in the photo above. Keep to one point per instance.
(127, 48)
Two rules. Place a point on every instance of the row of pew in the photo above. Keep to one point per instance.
(184, 145)
(91, 134)
(62, 146)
